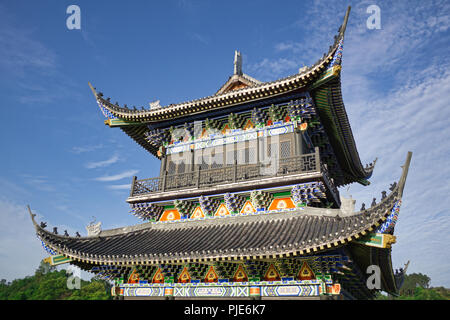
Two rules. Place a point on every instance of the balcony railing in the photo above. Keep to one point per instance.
(200, 179)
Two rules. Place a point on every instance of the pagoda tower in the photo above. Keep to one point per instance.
(246, 204)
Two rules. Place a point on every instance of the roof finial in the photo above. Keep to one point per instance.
(237, 63)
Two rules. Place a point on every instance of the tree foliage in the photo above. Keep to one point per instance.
(413, 281)
(49, 284)
(416, 286)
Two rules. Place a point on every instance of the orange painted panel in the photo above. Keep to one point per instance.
(249, 125)
(255, 291)
(134, 277)
(198, 213)
(169, 215)
(226, 129)
(240, 275)
(211, 275)
(306, 272)
(272, 274)
(204, 134)
(237, 86)
(184, 276)
(158, 277)
(282, 203)
(222, 210)
(168, 291)
(248, 207)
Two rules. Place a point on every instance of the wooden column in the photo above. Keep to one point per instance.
(257, 149)
(192, 160)
(163, 171)
(163, 165)
(317, 155)
(133, 183)
(298, 142)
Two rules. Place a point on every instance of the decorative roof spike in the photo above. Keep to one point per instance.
(344, 24)
(43, 224)
(237, 63)
(374, 202)
(93, 228)
(393, 186)
(55, 230)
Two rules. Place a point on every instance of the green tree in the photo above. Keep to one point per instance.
(44, 268)
(413, 281)
(49, 284)
(416, 286)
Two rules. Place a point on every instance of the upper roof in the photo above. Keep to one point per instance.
(251, 90)
(322, 79)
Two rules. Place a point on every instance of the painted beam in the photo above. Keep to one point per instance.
(378, 240)
(57, 260)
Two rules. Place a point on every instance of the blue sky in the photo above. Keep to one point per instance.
(59, 157)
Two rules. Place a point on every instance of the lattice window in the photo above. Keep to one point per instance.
(272, 150)
(204, 164)
(285, 149)
(217, 157)
(231, 157)
(217, 161)
(181, 167)
(171, 167)
(251, 155)
(241, 156)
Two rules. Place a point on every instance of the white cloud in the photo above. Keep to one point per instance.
(283, 46)
(119, 176)
(413, 117)
(20, 51)
(198, 37)
(20, 249)
(267, 69)
(396, 85)
(84, 149)
(120, 187)
(26, 59)
(104, 163)
(396, 100)
(40, 183)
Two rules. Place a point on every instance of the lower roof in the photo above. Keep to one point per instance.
(275, 235)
